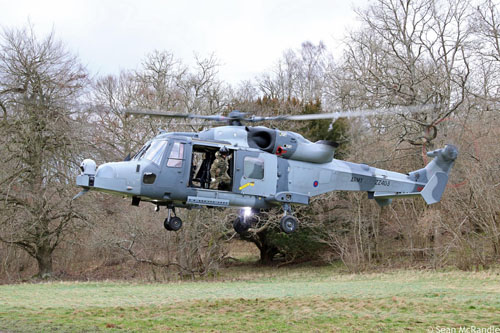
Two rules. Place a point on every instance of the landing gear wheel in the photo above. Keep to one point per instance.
(240, 226)
(175, 223)
(288, 224)
(167, 225)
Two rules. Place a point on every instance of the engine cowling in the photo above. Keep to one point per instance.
(290, 145)
(318, 152)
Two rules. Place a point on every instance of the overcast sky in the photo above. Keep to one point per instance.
(247, 37)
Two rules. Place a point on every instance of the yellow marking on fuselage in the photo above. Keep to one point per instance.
(246, 185)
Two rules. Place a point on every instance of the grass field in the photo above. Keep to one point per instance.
(261, 299)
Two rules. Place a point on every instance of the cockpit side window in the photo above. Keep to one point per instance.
(176, 155)
(155, 151)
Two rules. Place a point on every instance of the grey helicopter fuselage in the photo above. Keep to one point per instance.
(267, 168)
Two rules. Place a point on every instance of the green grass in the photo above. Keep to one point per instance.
(300, 299)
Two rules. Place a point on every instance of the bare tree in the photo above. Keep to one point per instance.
(486, 27)
(486, 24)
(116, 135)
(159, 79)
(411, 53)
(202, 91)
(298, 74)
(39, 83)
(196, 250)
(163, 83)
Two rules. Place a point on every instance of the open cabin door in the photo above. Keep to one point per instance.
(254, 173)
(203, 157)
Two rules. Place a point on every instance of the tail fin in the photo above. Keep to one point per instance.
(435, 174)
(433, 190)
(433, 178)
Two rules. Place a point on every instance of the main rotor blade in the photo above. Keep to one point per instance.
(348, 114)
(176, 115)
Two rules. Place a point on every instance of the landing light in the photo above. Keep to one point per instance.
(247, 211)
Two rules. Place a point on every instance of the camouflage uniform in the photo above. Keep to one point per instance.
(218, 170)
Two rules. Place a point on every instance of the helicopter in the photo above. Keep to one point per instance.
(267, 167)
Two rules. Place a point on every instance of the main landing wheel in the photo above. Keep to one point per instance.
(172, 224)
(240, 226)
(288, 224)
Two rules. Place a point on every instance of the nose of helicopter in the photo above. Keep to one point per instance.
(121, 177)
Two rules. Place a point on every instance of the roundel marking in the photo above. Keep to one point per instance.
(315, 184)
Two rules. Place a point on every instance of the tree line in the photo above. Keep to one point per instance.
(54, 113)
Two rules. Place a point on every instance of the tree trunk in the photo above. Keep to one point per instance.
(267, 254)
(44, 261)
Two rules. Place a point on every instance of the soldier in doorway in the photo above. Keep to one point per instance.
(218, 171)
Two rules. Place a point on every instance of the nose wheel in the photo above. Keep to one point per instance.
(172, 223)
